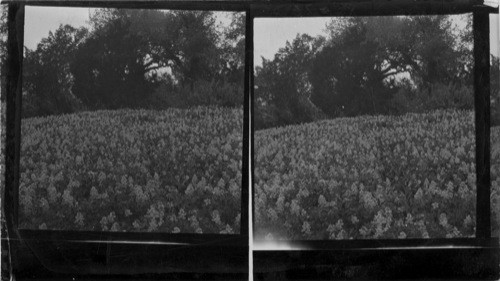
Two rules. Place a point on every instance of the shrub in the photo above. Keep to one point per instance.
(264, 115)
(451, 97)
(269, 114)
(199, 93)
(437, 96)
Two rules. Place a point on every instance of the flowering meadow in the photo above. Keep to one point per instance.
(371, 177)
(495, 180)
(177, 170)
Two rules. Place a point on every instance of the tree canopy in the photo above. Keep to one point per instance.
(126, 55)
(363, 66)
(140, 58)
(47, 80)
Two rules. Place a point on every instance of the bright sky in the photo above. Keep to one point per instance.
(40, 20)
(270, 34)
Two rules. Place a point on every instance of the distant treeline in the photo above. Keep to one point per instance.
(370, 65)
(158, 59)
(136, 59)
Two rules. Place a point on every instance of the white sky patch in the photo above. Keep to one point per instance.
(494, 35)
(41, 20)
(271, 34)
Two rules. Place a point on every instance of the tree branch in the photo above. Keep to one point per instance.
(385, 75)
(152, 68)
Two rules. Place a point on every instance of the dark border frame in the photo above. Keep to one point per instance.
(107, 253)
(104, 252)
(285, 8)
(463, 258)
(481, 73)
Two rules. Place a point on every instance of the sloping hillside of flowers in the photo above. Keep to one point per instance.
(133, 170)
(495, 180)
(370, 177)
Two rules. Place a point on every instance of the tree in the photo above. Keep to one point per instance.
(283, 87)
(435, 54)
(354, 72)
(47, 78)
(128, 51)
(232, 46)
(196, 38)
(465, 44)
(185, 41)
(111, 66)
(361, 66)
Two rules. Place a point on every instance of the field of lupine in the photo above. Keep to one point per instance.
(370, 177)
(175, 171)
(364, 177)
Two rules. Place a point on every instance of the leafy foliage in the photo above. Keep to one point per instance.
(358, 63)
(282, 85)
(47, 80)
(360, 68)
(111, 65)
(437, 54)
(232, 45)
(126, 56)
(133, 170)
(201, 92)
(438, 96)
